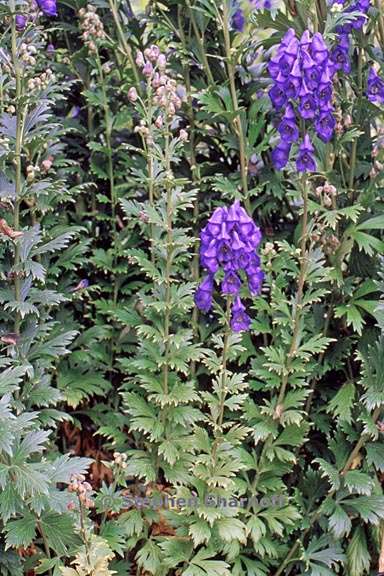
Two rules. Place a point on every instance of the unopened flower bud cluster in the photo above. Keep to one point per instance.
(91, 26)
(120, 460)
(27, 54)
(326, 193)
(167, 96)
(41, 82)
(82, 489)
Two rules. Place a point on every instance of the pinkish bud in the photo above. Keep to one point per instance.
(162, 62)
(148, 69)
(183, 135)
(159, 122)
(140, 59)
(132, 94)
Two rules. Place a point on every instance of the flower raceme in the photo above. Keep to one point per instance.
(302, 73)
(229, 243)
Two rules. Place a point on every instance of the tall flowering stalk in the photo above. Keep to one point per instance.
(163, 327)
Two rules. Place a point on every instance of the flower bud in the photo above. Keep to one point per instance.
(132, 94)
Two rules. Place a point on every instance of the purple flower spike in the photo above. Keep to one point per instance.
(305, 160)
(240, 320)
(229, 242)
(48, 7)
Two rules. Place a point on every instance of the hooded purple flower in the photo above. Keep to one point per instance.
(375, 88)
(203, 296)
(240, 320)
(288, 128)
(229, 242)
(21, 22)
(325, 126)
(307, 107)
(280, 155)
(48, 7)
(305, 160)
(231, 283)
(340, 54)
(238, 20)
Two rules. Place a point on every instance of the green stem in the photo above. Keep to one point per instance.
(195, 170)
(223, 391)
(45, 542)
(18, 147)
(380, 21)
(169, 254)
(126, 47)
(83, 533)
(353, 159)
(200, 43)
(237, 123)
(300, 291)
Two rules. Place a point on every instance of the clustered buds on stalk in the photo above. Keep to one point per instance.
(27, 53)
(120, 459)
(82, 489)
(42, 81)
(164, 91)
(326, 192)
(91, 26)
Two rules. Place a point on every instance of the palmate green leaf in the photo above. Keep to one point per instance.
(59, 530)
(20, 532)
(342, 403)
(202, 565)
(149, 557)
(78, 386)
(339, 522)
(359, 482)
(200, 532)
(323, 554)
(375, 455)
(231, 529)
(370, 508)
(10, 378)
(64, 466)
(358, 556)
(329, 472)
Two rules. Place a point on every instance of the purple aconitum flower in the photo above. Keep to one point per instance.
(375, 88)
(238, 20)
(280, 155)
(240, 320)
(325, 126)
(21, 22)
(288, 128)
(48, 7)
(229, 244)
(305, 159)
(302, 72)
(203, 296)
